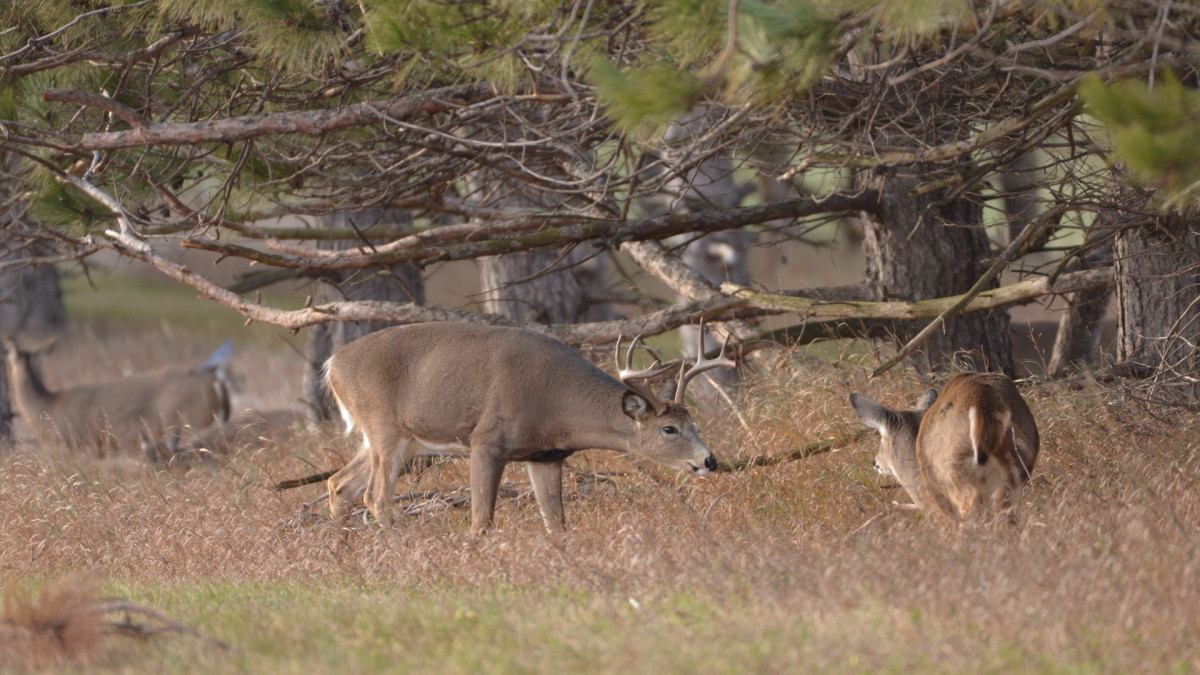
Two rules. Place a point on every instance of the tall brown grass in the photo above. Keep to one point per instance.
(58, 627)
(1102, 569)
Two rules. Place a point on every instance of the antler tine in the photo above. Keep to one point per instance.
(627, 375)
(702, 365)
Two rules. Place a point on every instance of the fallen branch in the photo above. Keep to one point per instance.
(1022, 291)
(66, 624)
(803, 452)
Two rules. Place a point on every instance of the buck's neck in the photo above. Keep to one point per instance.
(595, 420)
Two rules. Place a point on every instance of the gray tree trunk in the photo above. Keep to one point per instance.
(1020, 194)
(920, 248)
(545, 285)
(30, 298)
(1158, 317)
(718, 257)
(397, 283)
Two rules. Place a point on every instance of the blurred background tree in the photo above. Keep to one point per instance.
(543, 129)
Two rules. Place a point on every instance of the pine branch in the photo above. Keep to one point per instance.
(509, 237)
(312, 122)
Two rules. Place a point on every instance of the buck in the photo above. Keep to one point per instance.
(973, 446)
(497, 395)
(118, 412)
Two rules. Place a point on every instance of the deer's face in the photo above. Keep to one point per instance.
(897, 455)
(668, 437)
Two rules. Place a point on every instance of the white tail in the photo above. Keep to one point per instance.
(973, 446)
(119, 412)
(498, 395)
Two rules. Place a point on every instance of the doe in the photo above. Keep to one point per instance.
(497, 395)
(973, 446)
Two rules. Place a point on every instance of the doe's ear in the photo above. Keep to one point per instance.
(873, 414)
(636, 407)
(926, 400)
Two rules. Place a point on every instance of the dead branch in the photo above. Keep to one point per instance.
(311, 122)
(1022, 291)
(523, 235)
(803, 452)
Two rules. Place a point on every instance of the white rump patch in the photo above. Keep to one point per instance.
(973, 432)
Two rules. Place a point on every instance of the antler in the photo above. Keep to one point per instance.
(702, 364)
(626, 374)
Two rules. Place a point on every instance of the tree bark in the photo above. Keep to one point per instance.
(30, 298)
(546, 285)
(720, 257)
(1158, 272)
(919, 247)
(398, 283)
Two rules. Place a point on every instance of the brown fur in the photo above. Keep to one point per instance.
(248, 429)
(499, 395)
(963, 462)
(115, 414)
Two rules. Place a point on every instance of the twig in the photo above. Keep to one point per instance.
(802, 452)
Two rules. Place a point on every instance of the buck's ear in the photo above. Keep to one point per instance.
(926, 400)
(872, 414)
(636, 407)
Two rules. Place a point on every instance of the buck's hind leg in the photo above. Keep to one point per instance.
(546, 478)
(387, 458)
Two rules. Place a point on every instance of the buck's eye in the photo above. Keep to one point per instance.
(670, 431)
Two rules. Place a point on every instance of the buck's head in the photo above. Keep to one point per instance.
(665, 431)
(897, 429)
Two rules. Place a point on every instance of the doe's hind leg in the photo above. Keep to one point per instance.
(348, 485)
(388, 456)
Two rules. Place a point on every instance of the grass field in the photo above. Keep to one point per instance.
(799, 566)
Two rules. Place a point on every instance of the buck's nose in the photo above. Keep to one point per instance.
(710, 463)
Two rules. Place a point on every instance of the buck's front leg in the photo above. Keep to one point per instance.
(546, 478)
(486, 469)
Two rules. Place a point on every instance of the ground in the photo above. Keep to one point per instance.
(802, 565)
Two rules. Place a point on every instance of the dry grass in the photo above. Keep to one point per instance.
(805, 563)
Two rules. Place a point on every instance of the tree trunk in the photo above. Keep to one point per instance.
(1158, 272)
(517, 286)
(1020, 184)
(719, 257)
(397, 283)
(30, 298)
(919, 248)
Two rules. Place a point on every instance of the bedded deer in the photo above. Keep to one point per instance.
(973, 446)
(497, 395)
(248, 429)
(119, 412)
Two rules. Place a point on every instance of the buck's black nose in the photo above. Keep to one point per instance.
(710, 463)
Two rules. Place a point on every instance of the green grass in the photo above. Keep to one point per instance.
(105, 298)
(293, 628)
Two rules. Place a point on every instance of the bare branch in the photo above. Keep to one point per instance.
(312, 122)
(1022, 291)
(530, 234)
(133, 117)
